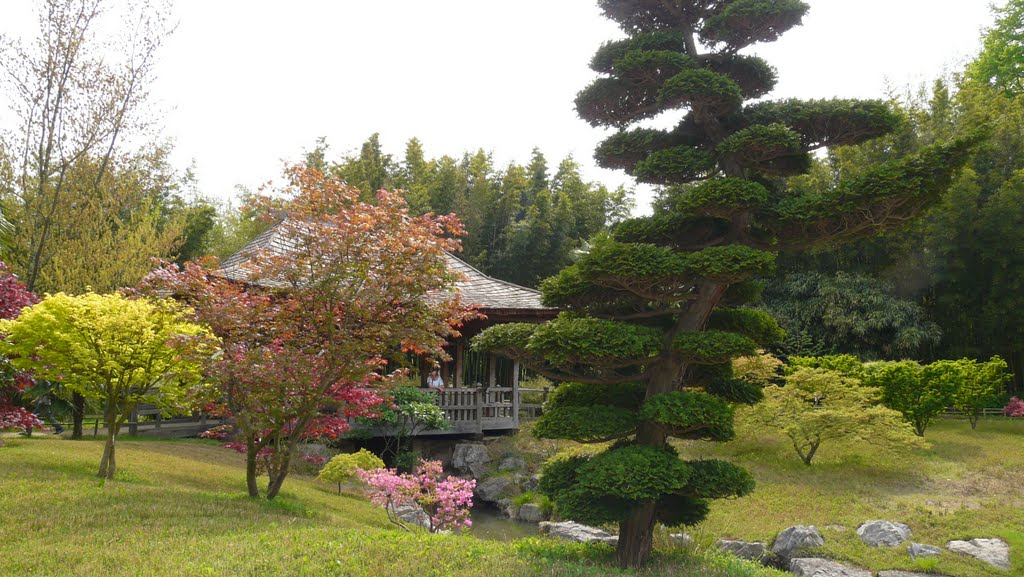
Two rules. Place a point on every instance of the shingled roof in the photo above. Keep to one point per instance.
(486, 293)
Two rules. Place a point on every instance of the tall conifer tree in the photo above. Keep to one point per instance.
(652, 312)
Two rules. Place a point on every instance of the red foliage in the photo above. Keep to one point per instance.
(14, 297)
(305, 336)
(13, 294)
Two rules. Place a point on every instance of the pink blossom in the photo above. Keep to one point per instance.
(446, 501)
(1015, 408)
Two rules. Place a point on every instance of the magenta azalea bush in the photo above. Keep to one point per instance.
(1015, 408)
(14, 297)
(446, 501)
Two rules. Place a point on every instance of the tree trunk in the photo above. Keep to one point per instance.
(275, 482)
(810, 454)
(108, 464)
(973, 418)
(636, 537)
(636, 533)
(77, 415)
(250, 467)
(278, 471)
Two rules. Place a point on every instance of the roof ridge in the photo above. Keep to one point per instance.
(496, 279)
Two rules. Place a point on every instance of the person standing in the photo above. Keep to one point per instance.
(434, 380)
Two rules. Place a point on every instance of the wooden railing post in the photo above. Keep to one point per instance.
(479, 392)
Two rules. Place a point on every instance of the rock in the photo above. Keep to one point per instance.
(818, 567)
(680, 539)
(413, 514)
(494, 489)
(471, 459)
(918, 550)
(512, 463)
(792, 539)
(531, 482)
(571, 531)
(995, 552)
(905, 574)
(883, 533)
(531, 513)
(751, 550)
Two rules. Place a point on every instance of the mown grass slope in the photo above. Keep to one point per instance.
(179, 508)
(968, 484)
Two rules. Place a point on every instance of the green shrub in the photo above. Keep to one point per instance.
(345, 466)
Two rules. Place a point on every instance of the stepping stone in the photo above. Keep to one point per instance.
(883, 533)
(792, 539)
(995, 552)
(918, 550)
(751, 550)
(818, 567)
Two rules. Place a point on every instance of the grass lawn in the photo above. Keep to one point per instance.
(179, 508)
(969, 484)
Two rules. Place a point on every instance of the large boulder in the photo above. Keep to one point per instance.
(471, 459)
(752, 550)
(792, 539)
(918, 550)
(680, 539)
(995, 552)
(883, 533)
(531, 483)
(531, 513)
(571, 531)
(413, 514)
(512, 463)
(818, 567)
(494, 489)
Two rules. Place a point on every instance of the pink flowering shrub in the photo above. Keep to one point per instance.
(316, 460)
(446, 501)
(14, 297)
(1015, 408)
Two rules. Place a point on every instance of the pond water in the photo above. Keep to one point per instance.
(491, 524)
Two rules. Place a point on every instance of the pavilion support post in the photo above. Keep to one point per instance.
(459, 363)
(492, 370)
(515, 393)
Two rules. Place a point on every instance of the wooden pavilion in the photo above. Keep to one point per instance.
(482, 392)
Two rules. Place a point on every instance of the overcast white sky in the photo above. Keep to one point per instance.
(249, 83)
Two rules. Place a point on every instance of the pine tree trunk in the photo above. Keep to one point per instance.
(636, 533)
(77, 415)
(636, 537)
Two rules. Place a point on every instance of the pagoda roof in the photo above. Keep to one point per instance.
(487, 293)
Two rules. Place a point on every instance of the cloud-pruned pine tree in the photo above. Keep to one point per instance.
(653, 313)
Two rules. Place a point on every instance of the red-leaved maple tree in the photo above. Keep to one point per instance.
(307, 325)
(14, 297)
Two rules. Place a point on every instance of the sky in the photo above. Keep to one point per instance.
(245, 85)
